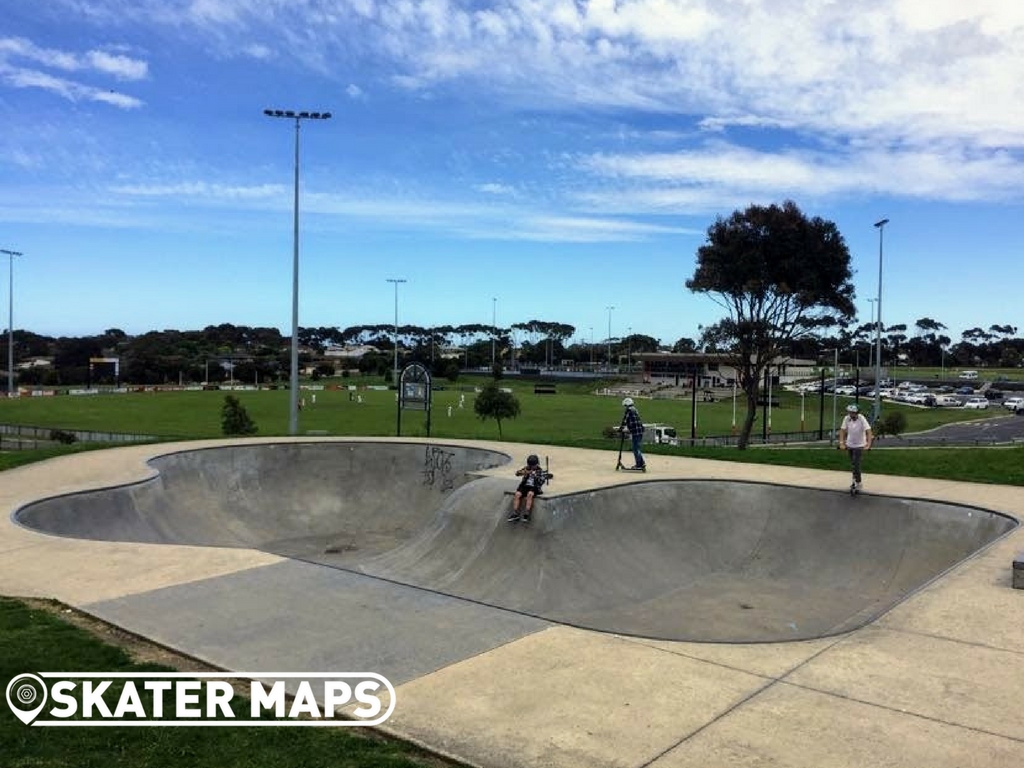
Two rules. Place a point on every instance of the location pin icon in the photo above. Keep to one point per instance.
(24, 691)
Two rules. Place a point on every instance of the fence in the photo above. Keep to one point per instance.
(15, 437)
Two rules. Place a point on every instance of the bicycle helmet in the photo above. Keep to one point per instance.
(627, 402)
(532, 460)
(852, 408)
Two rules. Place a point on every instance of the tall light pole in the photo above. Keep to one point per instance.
(609, 335)
(293, 386)
(871, 353)
(494, 328)
(10, 324)
(876, 412)
(396, 281)
(591, 349)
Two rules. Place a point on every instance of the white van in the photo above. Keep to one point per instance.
(660, 433)
(968, 374)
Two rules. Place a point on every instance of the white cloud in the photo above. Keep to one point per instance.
(16, 50)
(202, 189)
(353, 91)
(121, 67)
(494, 188)
(719, 175)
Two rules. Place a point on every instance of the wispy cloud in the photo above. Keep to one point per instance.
(705, 177)
(24, 65)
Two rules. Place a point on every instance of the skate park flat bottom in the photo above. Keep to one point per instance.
(695, 560)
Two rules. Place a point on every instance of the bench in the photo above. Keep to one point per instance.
(544, 389)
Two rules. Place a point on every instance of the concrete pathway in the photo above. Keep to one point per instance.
(934, 682)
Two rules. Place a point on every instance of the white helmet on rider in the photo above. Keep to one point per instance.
(628, 402)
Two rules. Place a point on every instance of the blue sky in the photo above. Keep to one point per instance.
(558, 156)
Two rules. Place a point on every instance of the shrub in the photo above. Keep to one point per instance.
(492, 403)
(235, 419)
(893, 423)
(61, 436)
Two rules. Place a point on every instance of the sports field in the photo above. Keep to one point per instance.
(575, 416)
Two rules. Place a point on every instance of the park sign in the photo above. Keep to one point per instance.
(414, 392)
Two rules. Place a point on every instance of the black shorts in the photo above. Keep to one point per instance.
(524, 489)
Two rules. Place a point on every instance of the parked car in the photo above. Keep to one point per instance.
(1011, 403)
(965, 390)
(947, 401)
(979, 403)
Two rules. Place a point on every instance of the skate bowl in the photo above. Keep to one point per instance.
(695, 560)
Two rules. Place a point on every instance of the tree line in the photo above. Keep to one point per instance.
(220, 353)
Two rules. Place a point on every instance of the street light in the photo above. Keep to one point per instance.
(609, 336)
(10, 324)
(494, 328)
(396, 281)
(293, 387)
(876, 413)
(871, 352)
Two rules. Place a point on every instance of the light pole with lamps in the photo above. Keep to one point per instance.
(293, 385)
(396, 281)
(10, 323)
(609, 336)
(876, 412)
(494, 328)
(871, 351)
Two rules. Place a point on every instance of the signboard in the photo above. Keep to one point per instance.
(414, 392)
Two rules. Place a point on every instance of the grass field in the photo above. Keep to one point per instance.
(33, 640)
(574, 417)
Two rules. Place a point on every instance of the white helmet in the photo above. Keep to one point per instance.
(852, 408)
(628, 402)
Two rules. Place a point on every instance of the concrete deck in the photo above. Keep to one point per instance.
(935, 681)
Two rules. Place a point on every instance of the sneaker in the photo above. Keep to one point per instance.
(526, 517)
(513, 517)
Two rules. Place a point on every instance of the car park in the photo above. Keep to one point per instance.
(980, 403)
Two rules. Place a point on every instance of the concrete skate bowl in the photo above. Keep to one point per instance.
(697, 560)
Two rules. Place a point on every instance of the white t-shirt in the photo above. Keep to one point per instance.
(856, 431)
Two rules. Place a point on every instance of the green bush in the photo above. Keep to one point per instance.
(62, 436)
(893, 423)
(234, 419)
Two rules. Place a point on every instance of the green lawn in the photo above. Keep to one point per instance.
(574, 414)
(574, 417)
(35, 640)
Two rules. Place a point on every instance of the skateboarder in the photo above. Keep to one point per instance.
(635, 426)
(854, 437)
(529, 487)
